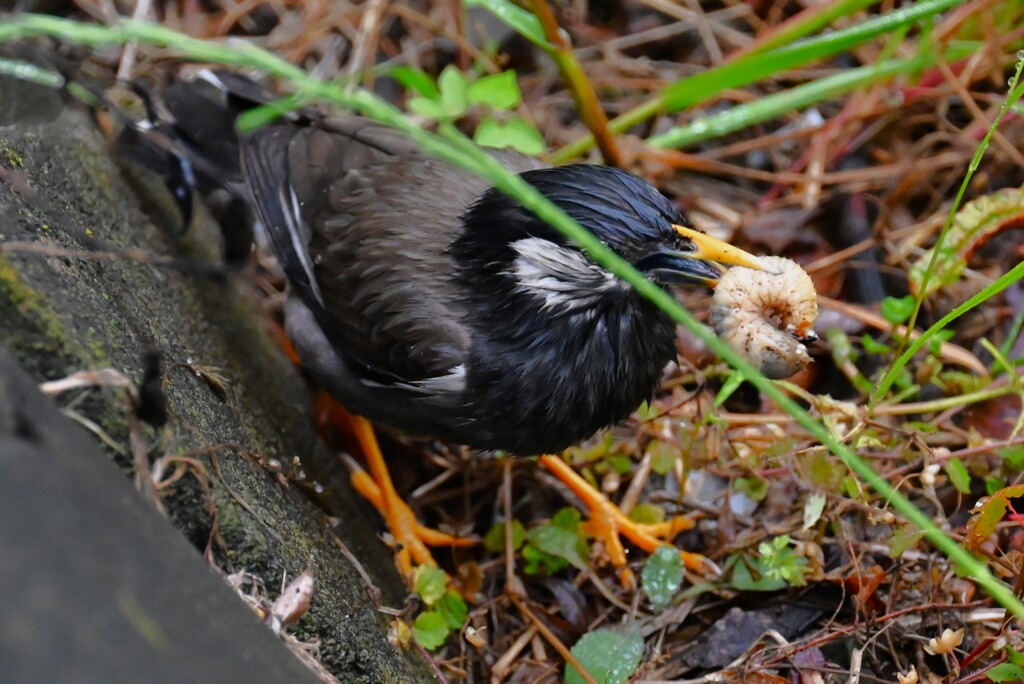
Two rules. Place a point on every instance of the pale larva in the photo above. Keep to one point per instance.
(767, 317)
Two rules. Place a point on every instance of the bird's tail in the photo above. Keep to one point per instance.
(189, 138)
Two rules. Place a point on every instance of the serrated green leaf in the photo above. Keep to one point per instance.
(430, 629)
(897, 310)
(958, 475)
(430, 583)
(494, 540)
(748, 574)
(498, 91)
(452, 607)
(609, 656)
(662, 576)
(412, 78)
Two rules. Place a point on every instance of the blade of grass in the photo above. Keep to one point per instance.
(463, 152)
(804, 23)
(778, 104)
(749, 68)
(1016, 90)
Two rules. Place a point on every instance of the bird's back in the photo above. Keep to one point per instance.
(366, 238)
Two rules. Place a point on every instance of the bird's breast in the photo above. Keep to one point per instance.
(546, 385)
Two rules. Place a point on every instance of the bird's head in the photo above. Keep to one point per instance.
(504, 242)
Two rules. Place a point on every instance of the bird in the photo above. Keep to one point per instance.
(432, 304)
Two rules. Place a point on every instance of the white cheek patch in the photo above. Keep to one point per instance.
(564, 278)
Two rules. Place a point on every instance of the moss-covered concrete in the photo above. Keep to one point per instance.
(62, 313)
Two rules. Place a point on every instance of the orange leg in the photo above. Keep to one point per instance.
(376, 487)
(607, 522)
(410, 537)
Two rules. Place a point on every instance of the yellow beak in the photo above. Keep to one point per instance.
(717, 251)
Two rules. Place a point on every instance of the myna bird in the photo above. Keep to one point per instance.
(434, 305)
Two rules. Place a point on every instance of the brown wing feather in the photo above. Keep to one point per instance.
(379, 218)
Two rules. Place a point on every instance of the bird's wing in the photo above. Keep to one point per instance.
(362, 223)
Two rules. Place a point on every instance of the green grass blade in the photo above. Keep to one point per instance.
(819, 17)
(750, 68)
(779, 104)
(1016, 90)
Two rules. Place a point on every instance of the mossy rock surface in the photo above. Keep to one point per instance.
(63, 313)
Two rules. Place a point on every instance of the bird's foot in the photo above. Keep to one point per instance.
(410, 537)
(608, 523)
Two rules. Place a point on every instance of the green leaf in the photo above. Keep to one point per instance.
(1006, 672)
(430, 629)
(567, 518)
(873, 346)
(516, 133)
(453, 84)
(779, 561)
(903, 538)
(1013, 456)
(522, 21)
(453, 608)
(958, 475)
(749, 574)
(430, 583)
(1015, 657)
(647, 513)
(663, 457)
(610, 656)
(560, 543)
(897, 310)
(425, 107)
(499, 91)
(662, 576)
(415, 79)
(942, 336)
(494, 540)
(540, 563)
(623, 465)
(994, 484)
(754, 487)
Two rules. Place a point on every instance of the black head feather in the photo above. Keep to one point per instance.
(627, 213)
(567, 372)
